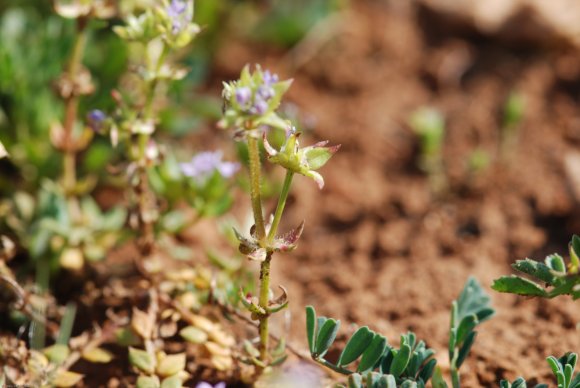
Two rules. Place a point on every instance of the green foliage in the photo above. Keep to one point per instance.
(547, 280)
(380, 364)
(563, 369)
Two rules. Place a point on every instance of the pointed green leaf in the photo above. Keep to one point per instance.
(568, 370)
(517, 285)
(400, 361)
(465, 348)
(356, 345)
(554, 364)
(310, 327)
(56, 353)
(326, 336)
(373, 353)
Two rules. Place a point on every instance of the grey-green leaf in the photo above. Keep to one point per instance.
(355, 381)
(326, 336)
(372, 353)
(311, 327)
(356, 345)
(401, 360)
(465, 348)
(517, 285)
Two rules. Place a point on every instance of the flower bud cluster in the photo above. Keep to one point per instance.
(172, 21)
(251, 101)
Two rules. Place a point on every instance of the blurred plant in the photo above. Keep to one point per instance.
(158, 31)
(250, 108)
(429, 125)
(563, 369)
(513, 113)
(478, 161)
(549, 279)
(59, 220)
(409, 366)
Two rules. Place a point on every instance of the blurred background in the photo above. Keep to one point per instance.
(459, 124)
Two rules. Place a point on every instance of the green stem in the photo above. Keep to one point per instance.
(142, 191)
(69, 177)
(281, 205)
(263, 302)
(255, 187)
(455, 379)
(335, 368)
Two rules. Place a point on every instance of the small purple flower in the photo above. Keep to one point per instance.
(266, 92)
(260, 106)
(95, 119)
(204, 164)
(176, 11)
(269, 78)
(243, 96)
(203, 384)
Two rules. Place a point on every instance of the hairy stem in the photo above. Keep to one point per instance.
(263, 302)
(281, 205)
(142, 191)
(71, 109)
(455, 379)
(255, 187)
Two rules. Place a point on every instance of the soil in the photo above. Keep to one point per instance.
(379, 248)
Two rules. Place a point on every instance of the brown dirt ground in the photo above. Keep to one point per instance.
(377, 248)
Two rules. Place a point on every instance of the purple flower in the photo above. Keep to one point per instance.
(243, 96)
(269, 78)
(203, 384)
(96, 119)
(203, 165)
(176, 12)
(266, 92)
(260, 106)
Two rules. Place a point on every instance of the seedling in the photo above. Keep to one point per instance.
(429, 125)
(513, 113)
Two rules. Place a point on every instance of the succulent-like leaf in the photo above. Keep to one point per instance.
(372, 353)
(326, 335)
(401, 360)
(356, 345)
(171, 364)
(517, 285)
(65, 379)
(98, 355)
(140, 359)
(57, 353)
(193, 334)
(148, 382)
(311, 327)
(172, 382)
(574, 249)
